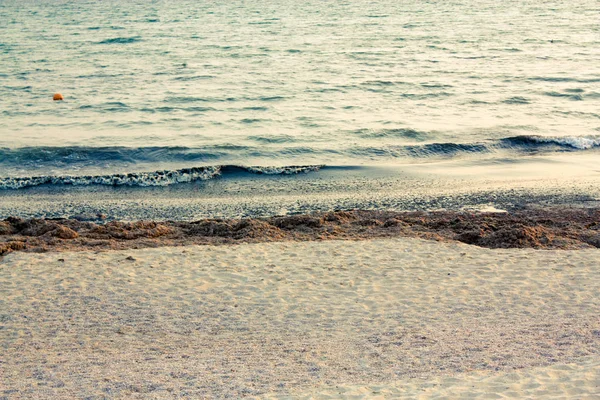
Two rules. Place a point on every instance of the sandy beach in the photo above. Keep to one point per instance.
(299, 200)
(381, 318)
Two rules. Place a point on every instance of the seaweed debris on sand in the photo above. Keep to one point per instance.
(554, 228)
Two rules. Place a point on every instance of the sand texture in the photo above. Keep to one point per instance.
(561, 381)
(396, 317)
(548, 228)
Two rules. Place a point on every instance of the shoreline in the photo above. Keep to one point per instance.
(537, 228)
(556, 182)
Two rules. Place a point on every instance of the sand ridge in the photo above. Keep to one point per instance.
(279, 319)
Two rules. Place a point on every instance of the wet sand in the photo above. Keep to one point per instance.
(399, 317)
(454, 186)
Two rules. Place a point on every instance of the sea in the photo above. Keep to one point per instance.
(170, 93)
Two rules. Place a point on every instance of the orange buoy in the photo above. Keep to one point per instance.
(58, 96)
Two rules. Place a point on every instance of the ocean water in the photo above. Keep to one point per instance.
(166, 92)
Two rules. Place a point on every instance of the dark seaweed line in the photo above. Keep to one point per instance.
(551, 228)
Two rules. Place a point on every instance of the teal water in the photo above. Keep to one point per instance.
(182, 84)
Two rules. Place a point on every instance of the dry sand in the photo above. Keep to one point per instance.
(391, 318)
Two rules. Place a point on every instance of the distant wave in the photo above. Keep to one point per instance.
(391, 133)
(73, 155)
(156, 178)
(121, 40)
(516, 100)
(564, 79)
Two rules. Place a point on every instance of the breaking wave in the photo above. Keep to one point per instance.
(146, 179)
(574, 142)
(122, 158)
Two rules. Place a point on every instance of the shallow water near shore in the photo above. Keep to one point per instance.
(170, 87)
(569, 180)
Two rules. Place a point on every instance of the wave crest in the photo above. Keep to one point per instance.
(575, 142)
(148, 179)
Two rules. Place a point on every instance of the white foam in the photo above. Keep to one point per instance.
(288, 170)
(146, 179)
(577, 142)
(142, 179)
